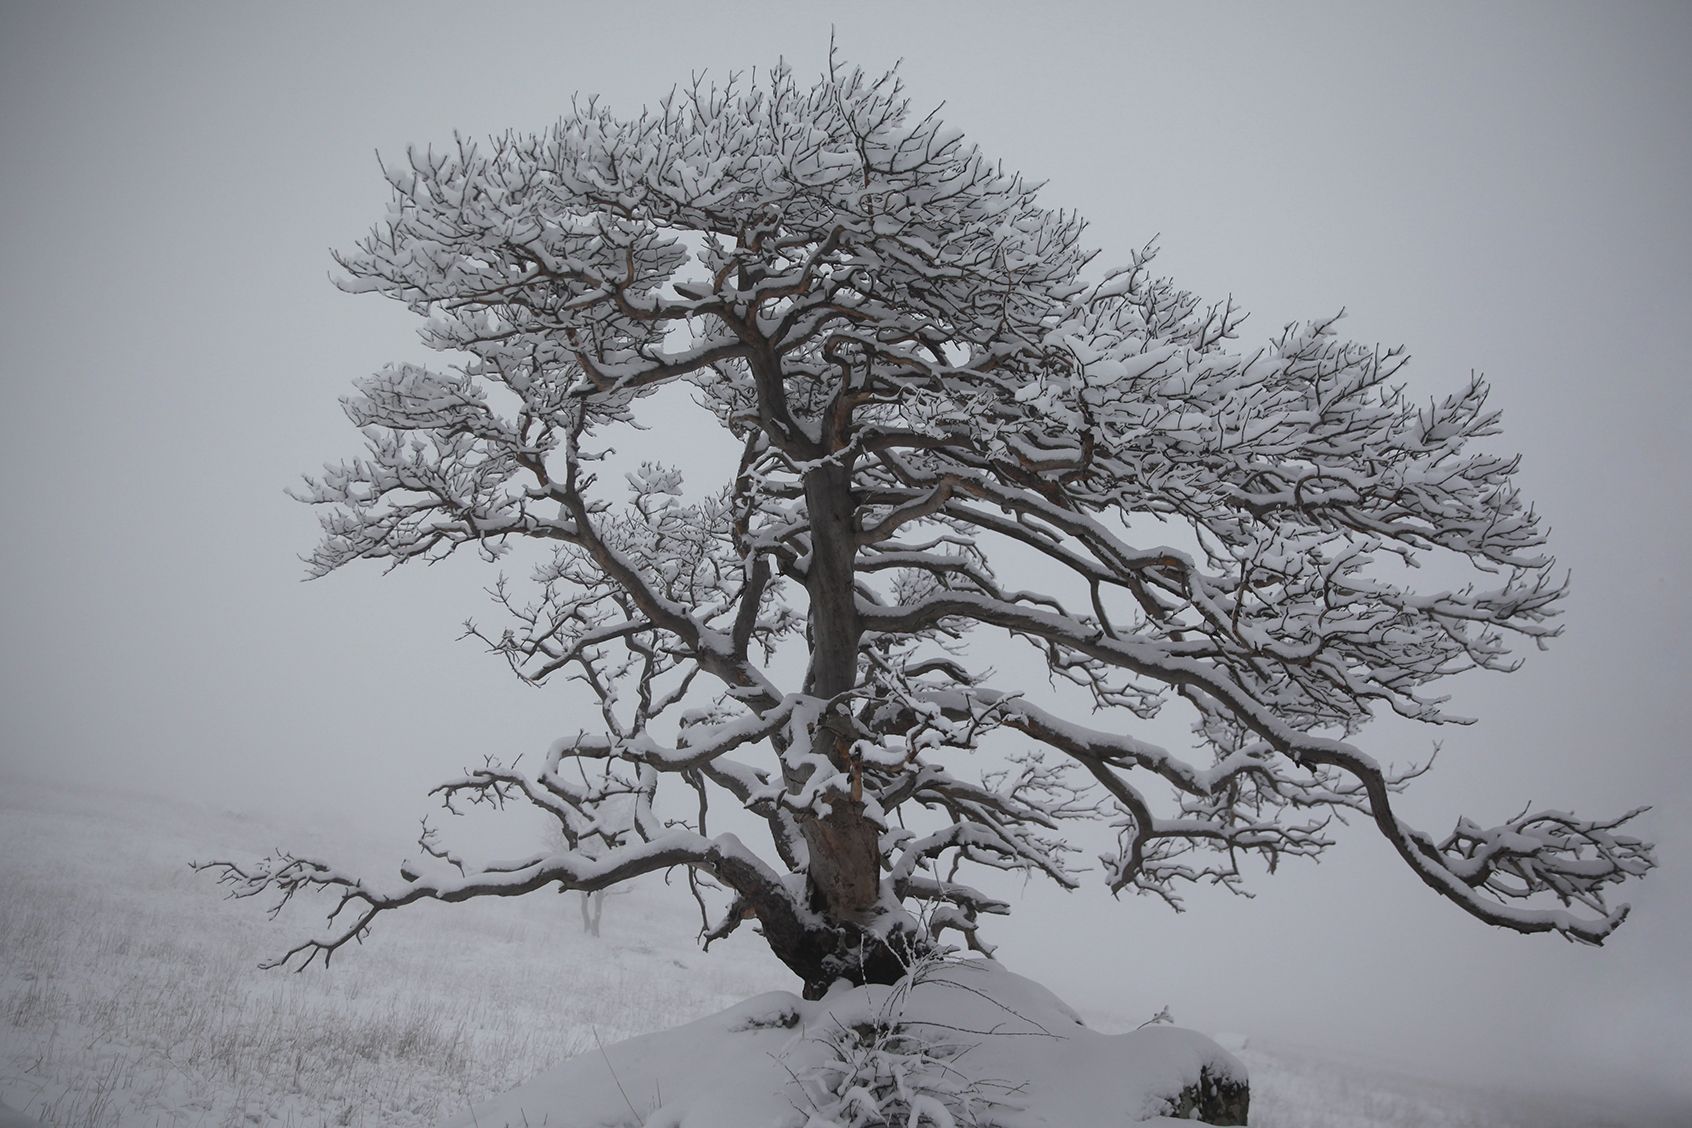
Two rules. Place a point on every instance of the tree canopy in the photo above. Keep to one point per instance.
(938, 402)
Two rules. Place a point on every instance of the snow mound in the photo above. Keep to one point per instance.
(957, 1040)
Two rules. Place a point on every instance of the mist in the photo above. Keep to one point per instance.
(1501, 189)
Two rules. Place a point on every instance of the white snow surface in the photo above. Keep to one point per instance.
(130, 997)
(756, 1065)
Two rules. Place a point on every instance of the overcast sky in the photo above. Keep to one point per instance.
(1501, 188)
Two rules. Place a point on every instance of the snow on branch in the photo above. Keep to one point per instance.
(951, 431)
(357, 903)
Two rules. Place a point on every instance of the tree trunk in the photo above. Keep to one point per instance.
(852, 955)
(593, 909)
(845, 869)
(816, 948)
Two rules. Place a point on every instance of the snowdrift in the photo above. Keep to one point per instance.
(959, 1043)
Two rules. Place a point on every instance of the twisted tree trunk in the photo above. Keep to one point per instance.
(844, 875)
(845, 871)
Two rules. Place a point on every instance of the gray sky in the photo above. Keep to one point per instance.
(1500, 188)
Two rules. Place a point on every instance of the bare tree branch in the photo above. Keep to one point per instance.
(948, 429)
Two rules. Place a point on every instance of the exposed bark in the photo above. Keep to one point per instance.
(845, 871)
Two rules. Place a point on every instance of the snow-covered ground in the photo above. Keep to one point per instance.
(129, 995)
(959, 1043)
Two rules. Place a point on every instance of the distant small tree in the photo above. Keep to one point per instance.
(590, 902)
(593, 910)
(934, 403)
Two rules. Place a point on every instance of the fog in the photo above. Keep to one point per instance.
(1501, 189)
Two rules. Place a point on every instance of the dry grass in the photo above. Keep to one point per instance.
(129, 993)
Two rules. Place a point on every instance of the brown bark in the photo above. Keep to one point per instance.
(845, 863)
(845, 870)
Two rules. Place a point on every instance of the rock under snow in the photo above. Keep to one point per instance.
(961, 1043)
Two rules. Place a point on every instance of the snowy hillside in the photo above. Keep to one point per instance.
(960, 1044)
(129, 995)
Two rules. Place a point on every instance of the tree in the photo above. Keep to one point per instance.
(932, 395)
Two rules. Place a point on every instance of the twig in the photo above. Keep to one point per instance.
(613, 1071)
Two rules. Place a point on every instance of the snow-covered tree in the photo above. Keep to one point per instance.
(936, 401)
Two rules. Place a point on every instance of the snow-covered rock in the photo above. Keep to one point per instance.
(959, 1041)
